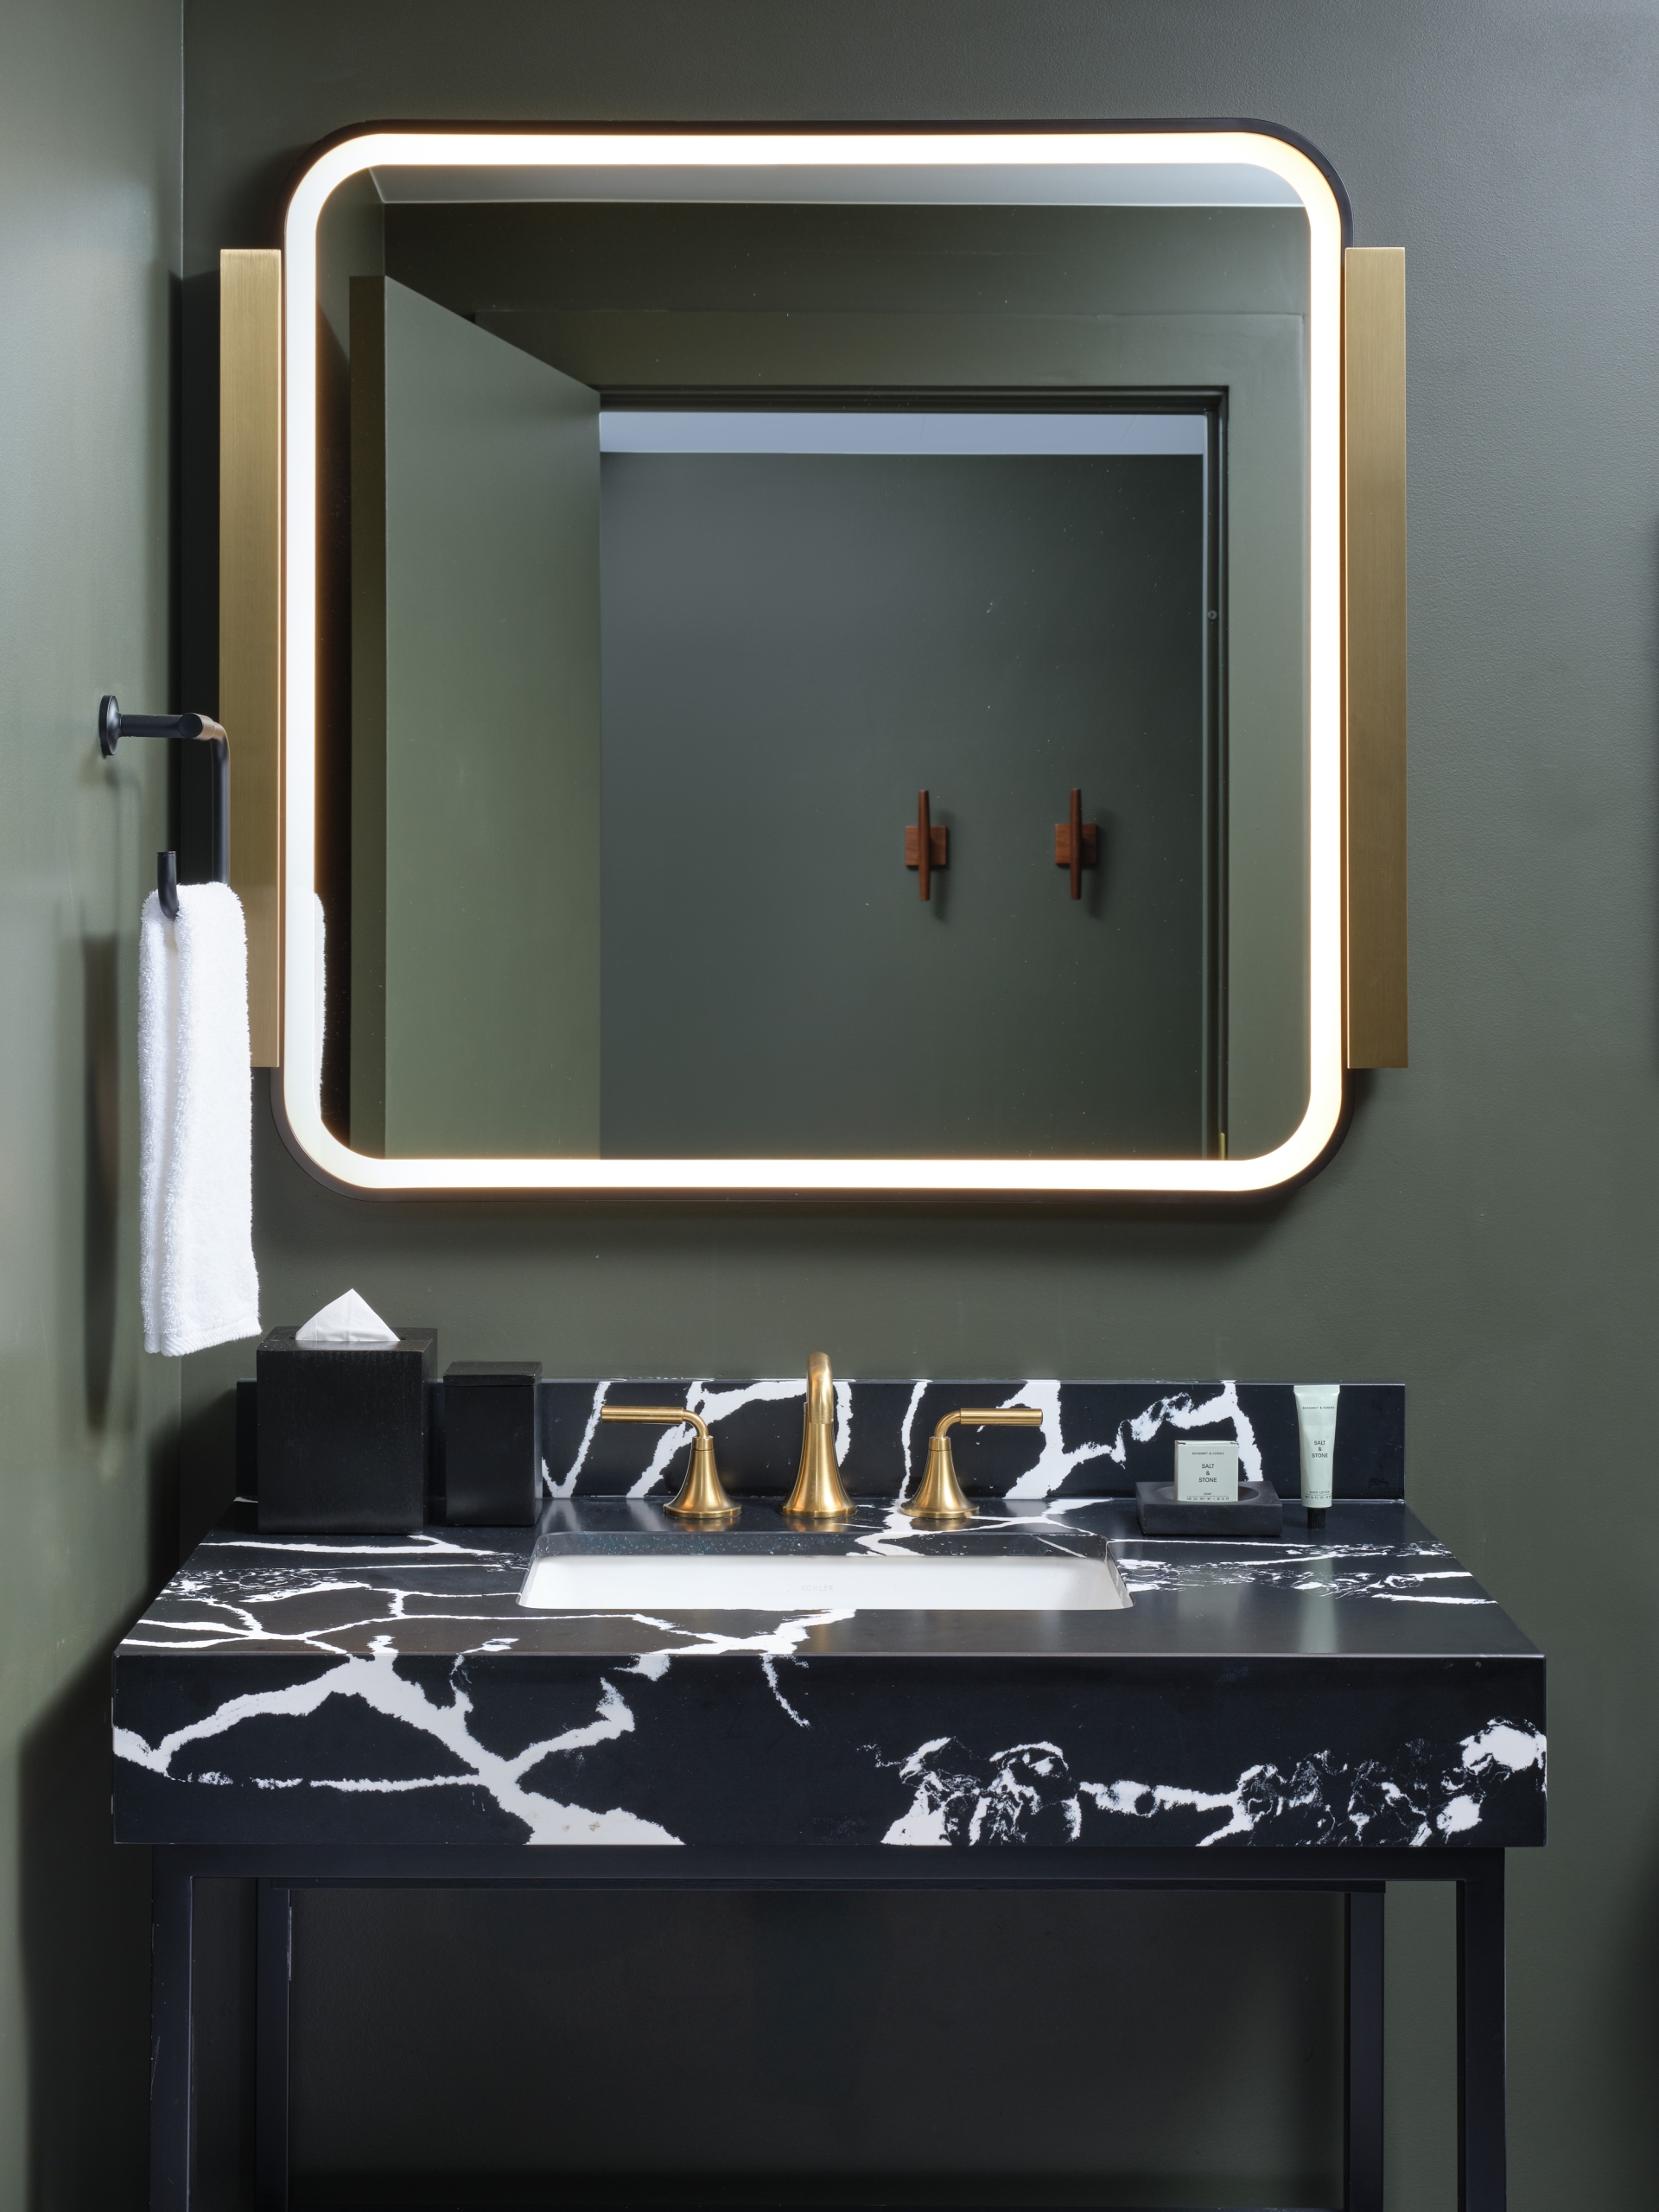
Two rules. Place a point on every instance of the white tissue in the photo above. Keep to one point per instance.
(349, 1324)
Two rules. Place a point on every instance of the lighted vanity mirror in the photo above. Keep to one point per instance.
(676, 511)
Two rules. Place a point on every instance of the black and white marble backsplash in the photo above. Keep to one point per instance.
(1097, 1438)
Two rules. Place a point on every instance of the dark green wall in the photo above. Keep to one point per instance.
(89, 245)
(1489, 1231)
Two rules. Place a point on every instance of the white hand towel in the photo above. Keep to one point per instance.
(199, 1285)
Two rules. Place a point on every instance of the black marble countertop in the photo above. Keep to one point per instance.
(1354, 1686)
(1373, 1581)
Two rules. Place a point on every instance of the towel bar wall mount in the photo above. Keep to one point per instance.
(113, 726)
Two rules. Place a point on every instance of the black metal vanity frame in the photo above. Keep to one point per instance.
(1359, 1875)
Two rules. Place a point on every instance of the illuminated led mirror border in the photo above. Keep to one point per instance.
(1010, 150)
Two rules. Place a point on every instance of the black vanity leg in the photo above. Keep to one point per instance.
(272, 1971)
(1362, 2103)
(1481, 2176)
(170, 2071)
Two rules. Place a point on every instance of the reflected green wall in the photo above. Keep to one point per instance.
(89, 238)
(635, 296)
(482, 565)
(1490, 1230)
(773, 984)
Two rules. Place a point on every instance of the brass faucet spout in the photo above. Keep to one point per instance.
(820, 1390)
(819, 1494)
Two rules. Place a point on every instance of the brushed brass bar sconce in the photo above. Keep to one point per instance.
(1373, 623)
(250, 612)
(1077, 843)
(926, 847)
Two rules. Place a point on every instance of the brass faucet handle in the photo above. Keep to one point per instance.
(679, 1414)
(940, 1499)
(702, 1498)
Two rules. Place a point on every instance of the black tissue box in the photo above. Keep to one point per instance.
(342, 1433)
(491, 1442)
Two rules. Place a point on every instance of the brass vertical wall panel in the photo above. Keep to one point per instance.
(250, 612)
(1373, 624)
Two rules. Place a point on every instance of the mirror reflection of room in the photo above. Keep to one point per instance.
(688, 566)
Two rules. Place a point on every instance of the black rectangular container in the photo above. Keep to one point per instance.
(493, 1442)
(342, 1433)
(1259, 1511)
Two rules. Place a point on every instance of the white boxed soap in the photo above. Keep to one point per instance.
(1206, 1473)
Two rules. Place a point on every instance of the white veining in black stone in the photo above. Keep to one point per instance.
(1421, 1797)
(1357, 1688)
(1097, 1438)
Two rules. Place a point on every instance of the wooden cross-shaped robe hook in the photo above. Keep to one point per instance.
(925, 848)
(1077, 844)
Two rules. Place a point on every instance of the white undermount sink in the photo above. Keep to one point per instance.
(669, 1582)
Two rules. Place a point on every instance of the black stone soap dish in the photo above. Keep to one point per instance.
(1258, 1512)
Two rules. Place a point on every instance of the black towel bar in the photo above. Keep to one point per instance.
(113, 726)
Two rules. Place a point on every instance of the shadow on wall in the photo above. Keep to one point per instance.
(1631, 2091)
(82, 1905)
(102, 1092)
(83, 1908)
(208, 1463)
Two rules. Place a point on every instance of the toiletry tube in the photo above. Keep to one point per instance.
(1316, 1422)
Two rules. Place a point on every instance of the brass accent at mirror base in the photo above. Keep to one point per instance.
(1374, 657)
